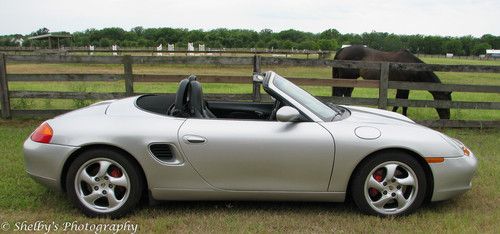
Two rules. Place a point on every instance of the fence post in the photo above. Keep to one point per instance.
(256, 85)
(4, 89)
(384, 85)
(128, 75)
(333, 76)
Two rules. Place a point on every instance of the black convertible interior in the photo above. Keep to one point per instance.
(189, 102)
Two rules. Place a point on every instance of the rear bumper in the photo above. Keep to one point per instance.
(453, 176)
(44, 162)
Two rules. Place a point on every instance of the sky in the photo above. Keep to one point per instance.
(427, 17)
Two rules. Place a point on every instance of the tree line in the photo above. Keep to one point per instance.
(330, 39)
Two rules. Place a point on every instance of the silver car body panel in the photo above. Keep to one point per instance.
(247, 160)
(453, 177)
(260, 155)
(44, 162)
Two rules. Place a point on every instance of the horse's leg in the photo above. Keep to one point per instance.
(343, 73)
(402, 94)
(443, 113)
(348, 92)
(395, 108)
(405, 110)
(338, 91)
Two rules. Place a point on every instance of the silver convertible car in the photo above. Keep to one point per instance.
(180, 147)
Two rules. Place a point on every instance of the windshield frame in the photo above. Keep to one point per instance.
(268, 82)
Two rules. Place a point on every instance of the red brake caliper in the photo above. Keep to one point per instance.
(116, 172)
(378, 177)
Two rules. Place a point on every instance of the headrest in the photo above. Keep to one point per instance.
(196, 93)
(182, 93)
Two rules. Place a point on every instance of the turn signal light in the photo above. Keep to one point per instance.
(43, 134)
(434, 159)
(466, 151)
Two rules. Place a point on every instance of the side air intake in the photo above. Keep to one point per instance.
(163, 152)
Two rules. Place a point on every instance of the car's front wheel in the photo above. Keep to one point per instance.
(104, 182)
(389, 183)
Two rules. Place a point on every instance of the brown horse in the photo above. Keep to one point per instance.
(362, 53)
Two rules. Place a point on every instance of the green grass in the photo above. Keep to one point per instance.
(477, 211)
(460, 61)
(304, 72)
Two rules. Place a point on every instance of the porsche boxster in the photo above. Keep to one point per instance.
(108, 155)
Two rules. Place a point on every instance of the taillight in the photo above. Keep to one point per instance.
(43, 134)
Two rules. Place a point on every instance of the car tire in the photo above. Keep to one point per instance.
(390, 183)
(104, 183)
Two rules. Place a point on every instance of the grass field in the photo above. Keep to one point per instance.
(477, 211)
(305, 72)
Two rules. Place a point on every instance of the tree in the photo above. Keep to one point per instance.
(330, 39)
(374, 39)
(294, 35)
(413, 43)
(351, 39)
(105, 42)
(480, 48)
(265, 35)
(287, 45)
(261, 44)
(432, 45)
(494, 41)
(391, 43)
(328, 44)
(308, 45)
(196, 35)
(274, 44)
(139, 30)
(41, 31)
(453, 46)
(468, 43)
(329, 34)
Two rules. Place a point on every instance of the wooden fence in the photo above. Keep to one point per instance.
(154, 51)
(383, 101)
(471, 57)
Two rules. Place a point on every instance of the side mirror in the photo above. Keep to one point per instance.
(287, 114)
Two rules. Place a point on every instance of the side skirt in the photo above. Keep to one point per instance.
(194, 194)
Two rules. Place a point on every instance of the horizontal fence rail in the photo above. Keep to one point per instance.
(129, 78)
(265, 61)
(154, 50)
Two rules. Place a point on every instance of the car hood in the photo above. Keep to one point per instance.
(372, 115)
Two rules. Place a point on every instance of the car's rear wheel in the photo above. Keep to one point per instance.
(104, 182)
(389, 183)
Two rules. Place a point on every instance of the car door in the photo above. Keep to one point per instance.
(259, 155)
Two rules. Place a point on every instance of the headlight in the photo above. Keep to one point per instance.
(462, 146)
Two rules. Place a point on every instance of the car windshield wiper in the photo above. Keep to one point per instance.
(336, 108)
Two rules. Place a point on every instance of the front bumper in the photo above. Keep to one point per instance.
(453, 176)
(44, 162)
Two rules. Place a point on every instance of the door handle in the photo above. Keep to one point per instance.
(194, 139)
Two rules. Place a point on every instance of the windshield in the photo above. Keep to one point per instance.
(304, 98)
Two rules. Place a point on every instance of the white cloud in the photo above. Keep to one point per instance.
(459, 17)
